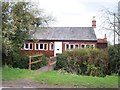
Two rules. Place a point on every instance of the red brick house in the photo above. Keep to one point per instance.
(102, 43)
(53, 40)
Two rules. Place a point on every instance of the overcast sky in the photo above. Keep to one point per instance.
(78, 13)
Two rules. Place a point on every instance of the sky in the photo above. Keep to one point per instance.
(78, 13)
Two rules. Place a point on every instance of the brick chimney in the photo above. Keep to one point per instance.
(94, 22)
(105, 38)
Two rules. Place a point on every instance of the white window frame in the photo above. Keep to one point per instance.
(85, 45)
(43, 46)
(50, 46)
(46, 46)
(77, 44)
(39, 46)
(91, 45)
(66, 46)
(28, 46)
(69, 46)
(35, 46)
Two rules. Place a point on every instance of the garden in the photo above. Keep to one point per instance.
(82, 68)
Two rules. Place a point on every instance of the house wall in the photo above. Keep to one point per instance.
(49, 52)
(101, 45)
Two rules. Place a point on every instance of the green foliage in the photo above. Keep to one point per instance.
(99, 58)
(18, 18)
(61, 61)
(114, 58)
(20, 62)
(23, 62)
(84, 62)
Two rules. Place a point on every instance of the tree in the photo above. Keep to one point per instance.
(112, 22)
(17, 20)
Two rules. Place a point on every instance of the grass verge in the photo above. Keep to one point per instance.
(15, 73)
(65, 79)
(62, 79)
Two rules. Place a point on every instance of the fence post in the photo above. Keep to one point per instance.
(48, 64)
(29, 62)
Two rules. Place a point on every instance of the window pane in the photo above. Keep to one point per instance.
(71, 46)
(30, 45)
(36, 46)
(76, 46)
(67, 46)
(87, 46)
(41, 46)
(45, 46)
(83, 46)
(26, 45)
(91, 46)
(51, 46)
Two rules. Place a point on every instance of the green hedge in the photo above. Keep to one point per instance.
(21, 60)
(114, 58)
(84, 62)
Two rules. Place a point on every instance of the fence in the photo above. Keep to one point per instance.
(51, 62)
(30, 60)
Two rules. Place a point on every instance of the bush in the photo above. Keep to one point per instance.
(84, 61)
(21, 60)
(99, 58)
(114, 58)
(61, 62)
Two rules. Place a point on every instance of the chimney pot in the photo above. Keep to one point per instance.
(94, 22)
(105, 38)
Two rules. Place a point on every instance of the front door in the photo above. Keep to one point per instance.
(57, 48)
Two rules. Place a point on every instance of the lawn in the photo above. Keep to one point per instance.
(0, 74)
(62, 79)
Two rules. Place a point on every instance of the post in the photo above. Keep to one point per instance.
(48, 64)
(29, 62)
(114, 29)
(119, 22)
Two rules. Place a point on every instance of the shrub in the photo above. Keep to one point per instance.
(114, 58)
(21, 60)
(84, 61)
(61, 62)
(99, 58)
(94, 70)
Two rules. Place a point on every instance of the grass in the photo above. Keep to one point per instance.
(62, 79)
(14, 73)
(55, 78)
(0, 73)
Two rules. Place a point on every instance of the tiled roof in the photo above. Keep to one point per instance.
(102, 40)
(64, 33)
